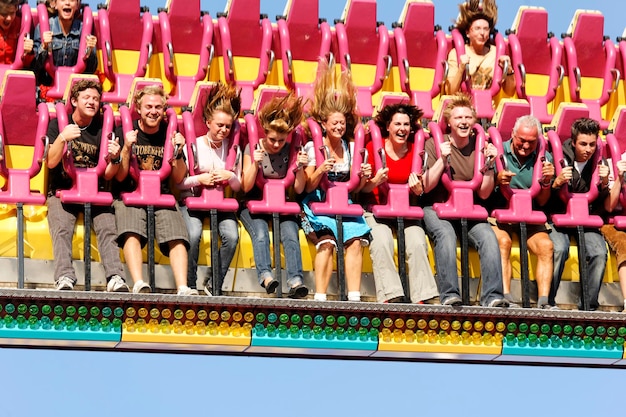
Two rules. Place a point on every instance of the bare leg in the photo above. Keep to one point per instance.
(323, 267)
(504, 242)
(353, 265)
(178, 261)
(541, 245)
(133, 256)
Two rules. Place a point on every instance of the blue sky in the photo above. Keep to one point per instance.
(77, 383)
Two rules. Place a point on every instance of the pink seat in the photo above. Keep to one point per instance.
(616, 146)
(565, 116)
(397, 195)
(148, 191)
(243, 35)
(184, 29)
(61, 75)
(117, 27)
(85, 180)
(531, 54)
(482, 99)
(520, 207)
(337, 193)
(577, 212)
(274, 200)
(416, 46)
(507, 113)
(194, 126)
(364, 41)
(589, 55)
(18, 128)
(460, 204)
(303, 37)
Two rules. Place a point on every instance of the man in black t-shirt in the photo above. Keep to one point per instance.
(82, 138)
(149, 136)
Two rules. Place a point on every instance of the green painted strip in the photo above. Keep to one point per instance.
(300, 343)
(571, 352)
(90, 335)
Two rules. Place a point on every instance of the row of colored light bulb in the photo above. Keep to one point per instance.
(316, 326)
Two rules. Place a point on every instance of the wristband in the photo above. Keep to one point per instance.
(117, 160)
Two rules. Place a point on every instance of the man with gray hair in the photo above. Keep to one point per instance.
(520, 156)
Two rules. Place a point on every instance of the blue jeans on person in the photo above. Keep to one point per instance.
(597, 253)
(229, 236)
(258, 229)
(443, 235)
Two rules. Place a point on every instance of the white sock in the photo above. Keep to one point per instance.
(319, 296)
(354, 295)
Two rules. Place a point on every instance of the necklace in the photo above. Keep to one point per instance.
(213, 147)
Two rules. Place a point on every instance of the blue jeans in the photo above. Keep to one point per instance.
(229, 236)
(443, 235)
(257, 227)
(596, 261)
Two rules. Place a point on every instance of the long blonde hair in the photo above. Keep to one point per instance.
(335, 95)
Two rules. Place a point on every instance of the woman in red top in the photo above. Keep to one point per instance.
(398, 123)
(10, 26)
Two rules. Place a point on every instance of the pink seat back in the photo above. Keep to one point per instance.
(274, 190)
(483, 99)
(117, 26)
(416, 46)
(18, 128)
(184, 29)
(85, 180)
(615, 147)
(242, 34)
(460, 204)
(337, 193)
(302, 37)
(531, 54)
(577, 212)
(589, 54)
(520, 207)
(148, 191)
(363, 40)
(194, 127)
(397, 196)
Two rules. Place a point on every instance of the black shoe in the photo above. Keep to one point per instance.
(270, 288)
(299, 291)
(395, 300)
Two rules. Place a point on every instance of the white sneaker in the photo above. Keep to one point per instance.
(207, 291)
(64, 283)
(187, 291)
(141, 287)
(117, 284)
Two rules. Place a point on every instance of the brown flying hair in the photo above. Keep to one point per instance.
(475, 9)
(225, 98)
(281, 114)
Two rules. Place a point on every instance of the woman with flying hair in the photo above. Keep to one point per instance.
(278, 118)
(398, 124)
(476, 22)
(334, 108)
(220, 113)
